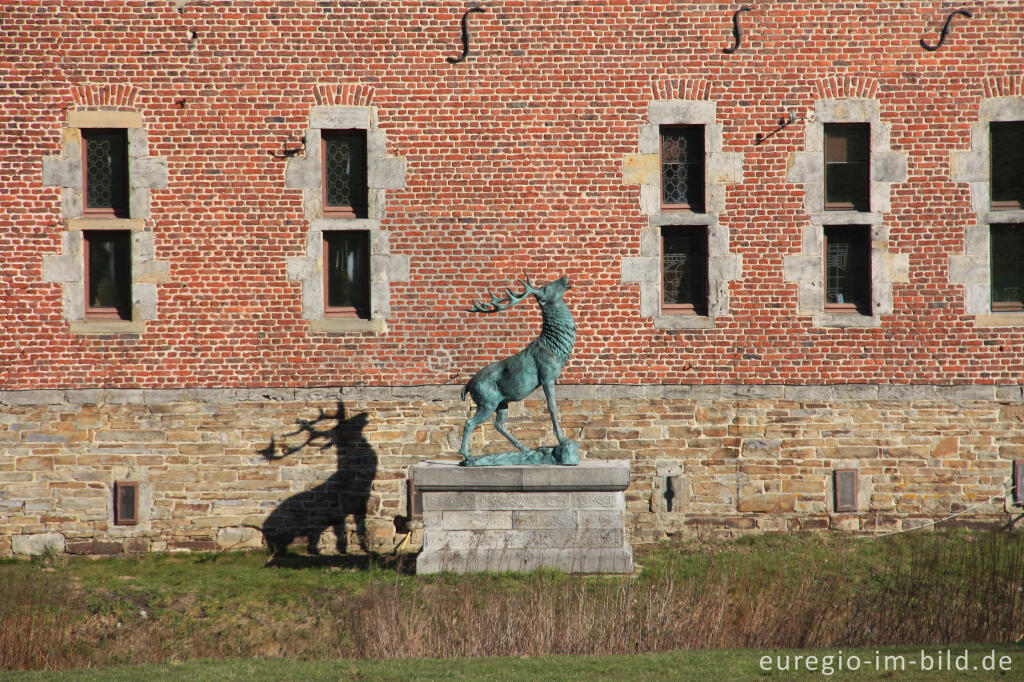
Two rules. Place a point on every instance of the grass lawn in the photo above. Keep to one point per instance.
(706, 609)
(903, 663)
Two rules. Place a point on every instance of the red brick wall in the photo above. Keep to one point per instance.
(514, 159)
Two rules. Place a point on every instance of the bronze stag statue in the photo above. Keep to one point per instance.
(514, 378)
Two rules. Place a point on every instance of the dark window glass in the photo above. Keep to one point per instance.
(682, 167)
(848, 269)
(345, 173)
(108, 260)
(106, 172)
(685, 270)
(847, 166)
(1007, 165)
(1007, 267)
(347, 273)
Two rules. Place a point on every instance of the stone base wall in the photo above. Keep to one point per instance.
(221, 469)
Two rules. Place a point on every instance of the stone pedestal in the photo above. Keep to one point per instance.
(523, 517)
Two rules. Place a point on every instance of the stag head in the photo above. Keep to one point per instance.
(546, 294)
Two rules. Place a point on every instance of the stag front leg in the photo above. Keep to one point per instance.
(499, 424)
(549, 393)
(567, 451)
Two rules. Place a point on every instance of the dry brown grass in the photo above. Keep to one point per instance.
(934, 590)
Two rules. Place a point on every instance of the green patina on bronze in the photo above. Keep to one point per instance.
(516, 377)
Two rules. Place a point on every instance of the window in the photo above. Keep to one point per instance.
(126, 503)
(105, 173)
(1007, 267)
(1007, 145)
(347, 274)
(847, 166)
(344, 173)
(844, 488)
(108, 274)
(848, 269)
(682, 167)
(684, 270)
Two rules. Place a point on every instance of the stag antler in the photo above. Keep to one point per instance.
(510, 299)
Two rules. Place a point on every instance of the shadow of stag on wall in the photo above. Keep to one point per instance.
(344, 495)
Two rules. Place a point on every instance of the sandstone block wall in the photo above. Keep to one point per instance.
(225, 469)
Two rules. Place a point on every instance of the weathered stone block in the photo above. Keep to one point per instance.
(387, 173)
(767, 504)
(520, 501)
(97, 548)
(471, 520)
(641, 169)
(239, 537)
(681, 112)
(596, 500)
(888, 167)
(802, 268)
(340, 117)
(38, 543)
(640, 269)
(302, 172)
(560, 519)
(62, 172)
(447, 501)
(150, 171)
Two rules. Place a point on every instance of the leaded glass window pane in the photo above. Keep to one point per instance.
(1007, 165)
(685, 269)
(1007, 267)
(110, 277)
(848, 268)
(847, 166)
(106, 171)
(682, 166)
(345, 171)
(347, 271)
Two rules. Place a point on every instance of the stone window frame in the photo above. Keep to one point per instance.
(145, 173)
(973, 268)
(865, 488)
(383, 173)
(887, 167)
(720, 170)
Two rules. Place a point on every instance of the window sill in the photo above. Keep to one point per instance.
(328, 223)
(348, 324)
(846, 320)
(684, 321)
(133, 224)
(99, 326)
(1003, 215)
(846, 218)
(668, 218)
(1011, 319)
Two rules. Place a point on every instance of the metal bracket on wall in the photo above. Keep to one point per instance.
(737, 31)
(789, 119)
(465, 34)
(945, 29)
(290, 147)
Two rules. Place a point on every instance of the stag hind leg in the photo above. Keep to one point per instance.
(484, 410)
(499, 424)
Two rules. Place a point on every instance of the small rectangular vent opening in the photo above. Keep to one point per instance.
(126, 503)
(845, 488)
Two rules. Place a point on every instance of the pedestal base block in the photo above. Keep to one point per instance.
(524, 517)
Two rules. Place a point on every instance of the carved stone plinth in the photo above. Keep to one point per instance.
(523, 517)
